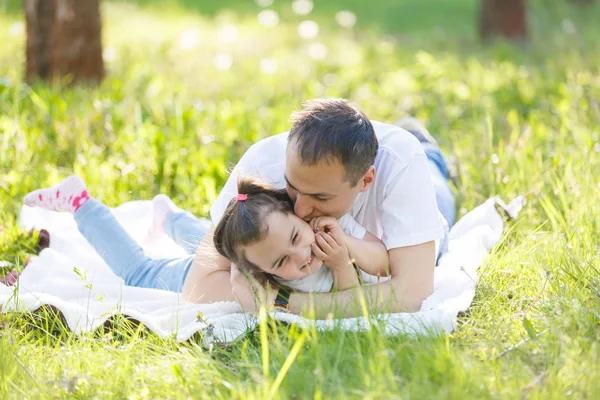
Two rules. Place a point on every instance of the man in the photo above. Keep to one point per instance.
(334, 161)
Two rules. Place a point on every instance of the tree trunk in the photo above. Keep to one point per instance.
(64, 40)
(503, 18)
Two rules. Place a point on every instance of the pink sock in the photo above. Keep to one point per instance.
(68, 195)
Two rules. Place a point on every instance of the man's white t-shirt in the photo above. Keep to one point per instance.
(399, 208)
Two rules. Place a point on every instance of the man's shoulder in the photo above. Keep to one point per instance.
(265, 159)
(267, 152)
(396, 145)
(271, 143)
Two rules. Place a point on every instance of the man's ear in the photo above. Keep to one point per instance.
(367, 179)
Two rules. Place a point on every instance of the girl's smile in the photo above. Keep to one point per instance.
(285, 251)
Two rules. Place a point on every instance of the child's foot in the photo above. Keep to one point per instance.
(161, 206)
(68, 195)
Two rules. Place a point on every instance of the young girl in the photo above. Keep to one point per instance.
(259, 232)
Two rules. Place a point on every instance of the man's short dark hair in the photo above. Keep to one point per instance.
(334, 130)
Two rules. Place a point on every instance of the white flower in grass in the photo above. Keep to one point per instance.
(495, 159)
(228, 33)
(189, 39)
(109, 54)
(269, 66)
(597, 147)
(302, 7)
(264, 3)
(345, 18)
(16, 29)
(223, 61)
(318, 51)
(308, 29)
(268, 18)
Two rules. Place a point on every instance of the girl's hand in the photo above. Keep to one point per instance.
(331, 251)
(329, 225)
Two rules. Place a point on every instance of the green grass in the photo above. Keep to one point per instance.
(521, 120)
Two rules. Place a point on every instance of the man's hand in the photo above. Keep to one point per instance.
(251, 292)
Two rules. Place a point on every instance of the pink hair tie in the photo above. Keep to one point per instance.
(241, 197)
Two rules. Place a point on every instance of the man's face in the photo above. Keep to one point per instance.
(321, 189)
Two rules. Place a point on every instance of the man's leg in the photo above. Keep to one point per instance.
(441, 183)
(438, 167)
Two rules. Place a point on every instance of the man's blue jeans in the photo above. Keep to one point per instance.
(440, 177)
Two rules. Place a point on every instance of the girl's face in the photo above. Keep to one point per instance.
(285, 251)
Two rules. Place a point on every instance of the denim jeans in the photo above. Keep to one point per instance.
(125, 256)
(440, 178)
(441, 182)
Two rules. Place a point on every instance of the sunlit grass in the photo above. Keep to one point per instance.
(186, 95)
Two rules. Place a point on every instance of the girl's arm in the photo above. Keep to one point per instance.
(365, 249)
(369, 254)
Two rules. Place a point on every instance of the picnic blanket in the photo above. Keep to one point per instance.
(71, 277)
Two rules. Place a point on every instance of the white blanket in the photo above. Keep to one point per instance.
(72, 277)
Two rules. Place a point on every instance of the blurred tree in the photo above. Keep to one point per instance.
(64, 39)
(503, 18)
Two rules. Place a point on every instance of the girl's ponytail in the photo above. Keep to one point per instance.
(252, 187)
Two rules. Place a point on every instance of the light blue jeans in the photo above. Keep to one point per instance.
(440, 177)
(125, 256)
(128, 260)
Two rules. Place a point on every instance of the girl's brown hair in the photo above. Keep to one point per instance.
(244, 220)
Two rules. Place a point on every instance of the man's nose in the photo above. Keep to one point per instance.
(302, 207)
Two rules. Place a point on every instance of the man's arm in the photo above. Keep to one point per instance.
(344, 278)
(411, 282)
